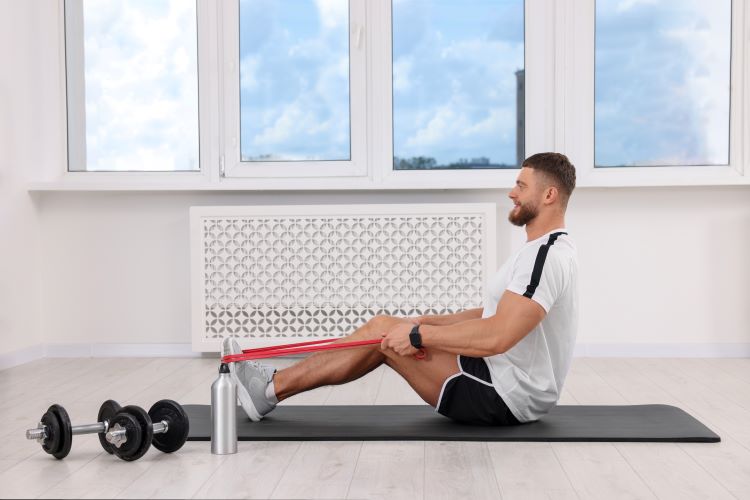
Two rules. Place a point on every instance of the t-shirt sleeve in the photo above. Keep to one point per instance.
(551, 280)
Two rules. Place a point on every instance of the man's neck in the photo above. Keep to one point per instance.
(539, 227)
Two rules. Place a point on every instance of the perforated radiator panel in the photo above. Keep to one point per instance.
(275, 274)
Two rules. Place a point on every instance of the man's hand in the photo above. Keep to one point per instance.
(397, 339)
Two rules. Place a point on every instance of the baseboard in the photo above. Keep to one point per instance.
(662, 350)
(594, 350)
(120, 351)
(21, 356)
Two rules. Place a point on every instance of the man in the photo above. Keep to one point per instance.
(503, 364)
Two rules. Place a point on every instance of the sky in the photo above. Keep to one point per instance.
(454, 78)
(141, 85)
(294, 80)
(662, 81)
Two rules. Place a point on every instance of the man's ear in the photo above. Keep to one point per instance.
(551, 194)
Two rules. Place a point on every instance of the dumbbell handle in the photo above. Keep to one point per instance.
(41, 431)
(158, 427)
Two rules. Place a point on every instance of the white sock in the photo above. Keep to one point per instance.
(271, 393)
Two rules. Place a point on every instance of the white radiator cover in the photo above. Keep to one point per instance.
(277, 274)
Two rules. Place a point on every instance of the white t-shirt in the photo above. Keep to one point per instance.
(529, 376)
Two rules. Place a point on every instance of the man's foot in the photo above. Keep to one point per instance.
(230, 346)
(252, 379)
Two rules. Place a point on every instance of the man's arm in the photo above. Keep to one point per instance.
(450, 319)
(514, 318)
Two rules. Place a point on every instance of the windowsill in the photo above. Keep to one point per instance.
(399, 180)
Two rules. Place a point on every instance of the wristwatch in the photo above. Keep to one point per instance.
(415, 337)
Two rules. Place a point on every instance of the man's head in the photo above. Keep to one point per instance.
(545, 183)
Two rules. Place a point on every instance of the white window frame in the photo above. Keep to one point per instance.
(539, 30)
(75, 175)
(232, 166)
(559, 65)
(577, 90)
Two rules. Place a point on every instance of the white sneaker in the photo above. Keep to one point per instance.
(252, 379)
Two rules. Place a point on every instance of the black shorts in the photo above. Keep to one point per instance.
(469, 396)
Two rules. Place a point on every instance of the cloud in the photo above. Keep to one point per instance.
(249, 70)
(401, 74)
(295, 103)
(333, 13)
(625, 5)
(662, 83)
(141, 85)
(454, 83)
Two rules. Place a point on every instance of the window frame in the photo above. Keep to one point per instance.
(73, 109)
(559, 57)
(231, 163)
(579, 43)
(538, 39)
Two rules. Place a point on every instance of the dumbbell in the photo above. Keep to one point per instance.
(125, 432)
(132, 431)
(55, 433)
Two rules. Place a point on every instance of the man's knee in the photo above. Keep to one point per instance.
(378, 325)
(384, 322)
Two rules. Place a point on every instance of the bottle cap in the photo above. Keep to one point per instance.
(224, 368)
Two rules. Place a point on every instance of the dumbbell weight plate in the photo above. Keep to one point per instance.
(51, 443)
(65, 432)
(107, 410)
(177, 422)
(147, 432)
(128, 450)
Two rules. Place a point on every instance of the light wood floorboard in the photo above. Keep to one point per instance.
(253, 472)
(459, 470)
(319, 470)
(389, 471)
(716, 391)
(529, 470)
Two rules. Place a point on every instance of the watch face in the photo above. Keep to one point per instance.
(416, 339)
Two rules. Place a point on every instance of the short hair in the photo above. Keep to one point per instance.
(556, 168)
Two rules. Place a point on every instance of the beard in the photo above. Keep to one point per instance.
(523, 214)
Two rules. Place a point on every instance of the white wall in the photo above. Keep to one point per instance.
(27, 138)
(664, 271)
(658, 266)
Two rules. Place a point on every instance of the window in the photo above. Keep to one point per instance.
(294, 80)
(295, 107)
(458, 84)
(132, 85)
(662, 82)
(404, 94)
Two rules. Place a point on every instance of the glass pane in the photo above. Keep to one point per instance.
(294, 80)
(458, 84)
(662, 82)
(141, 85)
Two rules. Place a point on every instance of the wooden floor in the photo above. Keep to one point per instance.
(717, 391)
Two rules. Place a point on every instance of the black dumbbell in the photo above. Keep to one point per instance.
(55, 433)
(132, 430)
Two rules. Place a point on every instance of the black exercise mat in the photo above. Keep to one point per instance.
(646, 423)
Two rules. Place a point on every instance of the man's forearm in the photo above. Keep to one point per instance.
(474, 338)
(450, 319)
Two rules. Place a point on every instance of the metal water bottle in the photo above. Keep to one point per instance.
(223, 413)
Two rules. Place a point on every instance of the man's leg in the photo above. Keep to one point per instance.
(425, 376)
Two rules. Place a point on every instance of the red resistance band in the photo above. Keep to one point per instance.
(300, 347)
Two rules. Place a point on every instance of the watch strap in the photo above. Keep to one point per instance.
(415, 337)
